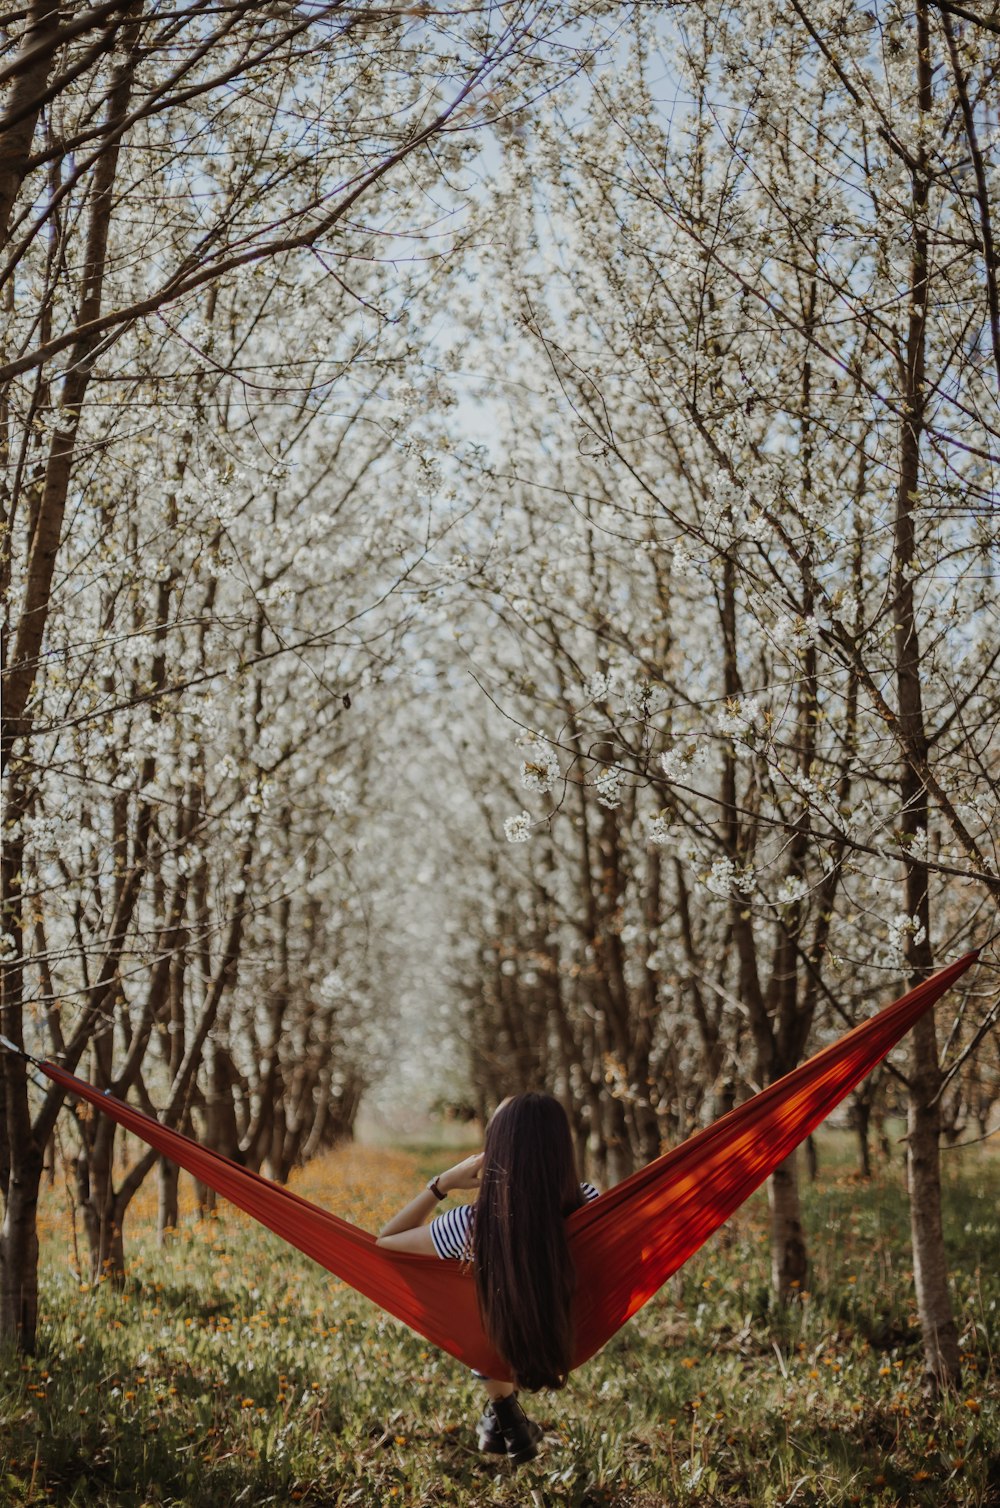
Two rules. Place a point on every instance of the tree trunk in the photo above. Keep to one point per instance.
(618, 1159)
(23, 105)
(861, 1112)
(21, 1152)
(18, 1237)
(222, 1133)
(47, 533)
(19, 1252)
(102, 1214)
(168, 1215)
(884, 1144)
(930, 1263)
(930, 1267)
(812, 1158)
(789, 1267)
(4, 1137)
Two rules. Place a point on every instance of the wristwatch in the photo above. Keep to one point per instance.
(435, 1187)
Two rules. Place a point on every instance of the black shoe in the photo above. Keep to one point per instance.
(520, 1435)
(489, 1435)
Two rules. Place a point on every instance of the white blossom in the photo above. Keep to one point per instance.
(915, 844)
(792, 888)
(676, 763)
(518, 829)
(902, 928)
(659, 829)
(721, 877)
(738, 717)
(540, 768)
(684, 562)
(609, 784)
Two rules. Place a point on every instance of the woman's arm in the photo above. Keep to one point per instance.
(407, 1231)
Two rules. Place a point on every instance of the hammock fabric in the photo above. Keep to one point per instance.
(625, 1244)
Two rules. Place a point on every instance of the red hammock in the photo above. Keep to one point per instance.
(625, 1244)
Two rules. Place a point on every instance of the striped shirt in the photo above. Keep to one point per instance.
(452, 1232)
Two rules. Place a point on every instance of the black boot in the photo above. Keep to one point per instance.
(489, 1435)
(520, 1434)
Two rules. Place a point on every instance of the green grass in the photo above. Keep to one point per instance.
(233, 1371)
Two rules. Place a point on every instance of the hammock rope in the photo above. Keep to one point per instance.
(625, 1244)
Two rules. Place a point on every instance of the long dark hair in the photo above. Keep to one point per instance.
(521, 1258)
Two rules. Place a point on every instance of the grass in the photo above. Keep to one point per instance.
(233, 1371)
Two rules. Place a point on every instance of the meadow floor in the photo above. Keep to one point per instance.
(233, 1371)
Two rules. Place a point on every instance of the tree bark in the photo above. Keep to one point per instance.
(861, 1115)
(930, 1266)
(21, 1151)
(19, 1252)
(59, 466)
(789, 1264)
(772, 1032)
(18, 1243)
(168, 1209)
(102, 1212)
(17, 125)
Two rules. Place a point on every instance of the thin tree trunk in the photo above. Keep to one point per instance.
(862, 1116)
(930, 1262)
(59, 465)
(18, 1237)
(789, 1265)
(19, 1253)
(812, 1158)
(168, 1209)
(21, 1151)
(788, 1250)
(102, 1215)
(17, 124)
(930, 1266)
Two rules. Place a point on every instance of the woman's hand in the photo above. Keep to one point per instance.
(464, 1175)
(407, 1231)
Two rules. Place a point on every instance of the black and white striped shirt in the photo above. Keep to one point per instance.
(452, 1232)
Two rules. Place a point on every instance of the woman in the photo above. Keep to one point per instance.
(515, 1237)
